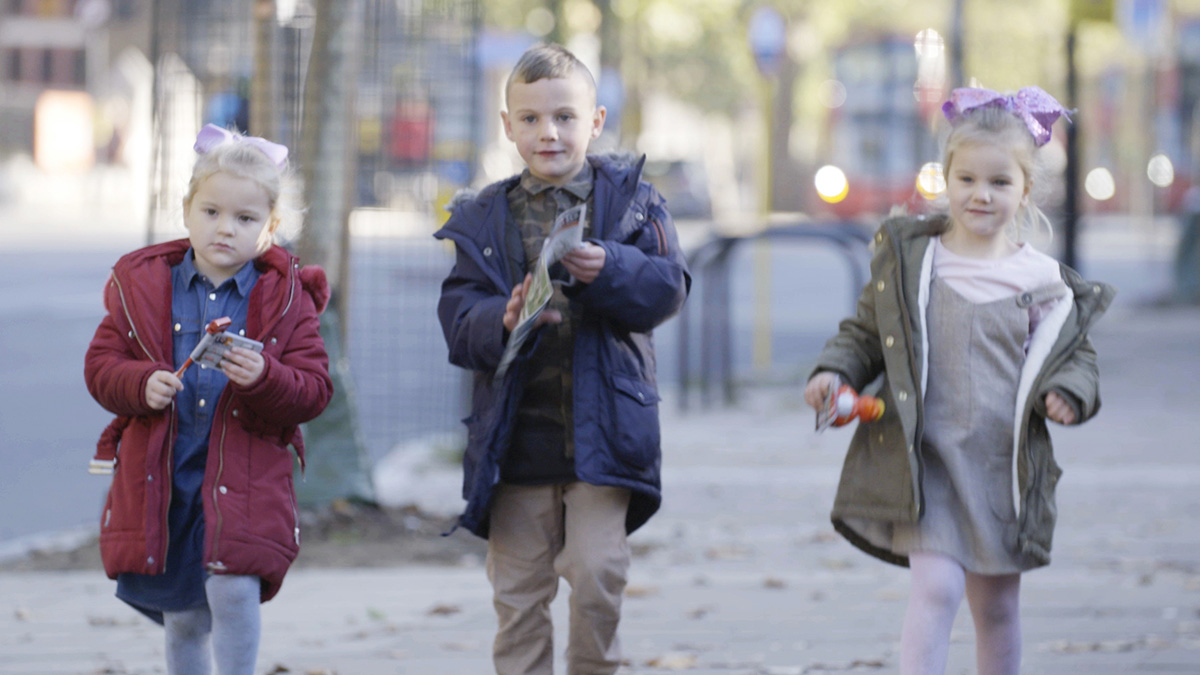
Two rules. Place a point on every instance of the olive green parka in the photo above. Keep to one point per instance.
(881, 479)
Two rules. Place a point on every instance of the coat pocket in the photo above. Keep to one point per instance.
(635, 422)
(1043, 509)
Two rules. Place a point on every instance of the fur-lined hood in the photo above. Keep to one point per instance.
(276, 258)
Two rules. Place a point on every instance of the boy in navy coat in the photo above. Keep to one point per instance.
(563, 454)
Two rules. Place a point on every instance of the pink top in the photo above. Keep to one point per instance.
(983, 280)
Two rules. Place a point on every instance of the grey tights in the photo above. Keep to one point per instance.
(938, 585)
(230, 623)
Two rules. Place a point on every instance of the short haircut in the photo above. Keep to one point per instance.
(547, 60)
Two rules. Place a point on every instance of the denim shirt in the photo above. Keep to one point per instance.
(194, 303)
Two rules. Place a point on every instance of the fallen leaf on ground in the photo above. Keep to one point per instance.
(869, 664)
(727, 552)
(444, 610)
(700, 612)
(673, 661)
(108, 621)
(823, 537)
(1105, 646)
(640, 591)
(774, 582)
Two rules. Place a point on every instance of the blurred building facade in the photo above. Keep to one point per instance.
(65, 46)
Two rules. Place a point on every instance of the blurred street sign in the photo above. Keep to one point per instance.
(1189, 40)
(768, 38)
(1144, 23)
(1091, 10)
(610, 93)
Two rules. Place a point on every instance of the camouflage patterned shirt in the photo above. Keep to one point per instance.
(542, 450)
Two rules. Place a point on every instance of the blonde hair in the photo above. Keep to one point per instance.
(544, 61)
(243, 160)
(996, 126)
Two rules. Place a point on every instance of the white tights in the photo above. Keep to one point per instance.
(938, 583)
(231, 620)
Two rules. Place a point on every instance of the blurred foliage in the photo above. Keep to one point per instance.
(697, 50)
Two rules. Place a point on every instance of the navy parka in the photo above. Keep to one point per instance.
(643, 283)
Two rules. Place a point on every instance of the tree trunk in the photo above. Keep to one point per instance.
(263, 92)
(338, 464)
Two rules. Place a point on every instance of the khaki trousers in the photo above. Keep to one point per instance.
(539, 533)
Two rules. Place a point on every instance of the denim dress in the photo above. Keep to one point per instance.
(194, 303)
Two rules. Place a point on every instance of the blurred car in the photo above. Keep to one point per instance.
(684, 185)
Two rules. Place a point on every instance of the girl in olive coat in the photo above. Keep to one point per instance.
(979, 340)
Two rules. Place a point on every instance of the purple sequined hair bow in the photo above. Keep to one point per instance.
(1038, 109)
(212, 135)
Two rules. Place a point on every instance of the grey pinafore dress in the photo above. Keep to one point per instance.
(976, 351)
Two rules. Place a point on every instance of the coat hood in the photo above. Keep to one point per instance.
(312, 278)
(314, 282)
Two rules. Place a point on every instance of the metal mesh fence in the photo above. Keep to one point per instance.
(415, 116)
(417, 143)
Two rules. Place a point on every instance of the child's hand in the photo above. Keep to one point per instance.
(516, 302)
(584, 263)
(161, 388)
(818, 388)
(1058, 409)
(242, 366)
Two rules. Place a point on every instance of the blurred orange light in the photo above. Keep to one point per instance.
(831, 184)
(62, 131)
(930, 181)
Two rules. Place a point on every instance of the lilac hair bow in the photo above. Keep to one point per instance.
(212, 135)
(1035, 107)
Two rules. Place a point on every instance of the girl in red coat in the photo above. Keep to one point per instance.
(200, 524)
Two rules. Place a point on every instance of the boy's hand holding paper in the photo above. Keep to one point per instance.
(565, 239)
(585, 262)
(516, 303)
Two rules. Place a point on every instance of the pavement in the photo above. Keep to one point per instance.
(740, 571)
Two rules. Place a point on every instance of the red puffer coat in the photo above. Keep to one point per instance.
(249, 502)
